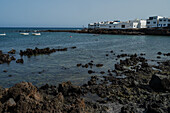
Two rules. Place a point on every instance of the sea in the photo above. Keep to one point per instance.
(61, 66)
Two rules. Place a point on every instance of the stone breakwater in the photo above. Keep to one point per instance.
(144, 89)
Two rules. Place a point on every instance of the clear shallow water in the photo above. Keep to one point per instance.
(61, 66)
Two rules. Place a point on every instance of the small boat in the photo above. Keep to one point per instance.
(24, 33)
(36, 34)
(3, 34)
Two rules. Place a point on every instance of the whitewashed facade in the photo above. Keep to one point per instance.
(164, 22)
(118, 24)
(153, 21)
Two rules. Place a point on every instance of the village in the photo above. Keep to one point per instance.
(152, 22)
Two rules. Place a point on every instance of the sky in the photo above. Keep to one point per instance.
(76, 13)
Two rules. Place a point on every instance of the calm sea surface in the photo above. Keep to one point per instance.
(61, 66)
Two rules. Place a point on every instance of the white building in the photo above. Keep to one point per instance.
(153, 21)
(118, 25)
(164, 22)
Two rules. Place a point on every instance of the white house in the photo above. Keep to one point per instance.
(118, 24)
(164, 22)
(153, 21)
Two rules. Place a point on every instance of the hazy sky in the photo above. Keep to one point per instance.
(76, 13)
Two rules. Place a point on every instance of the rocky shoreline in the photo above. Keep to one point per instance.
(142, 31)
(132, 86)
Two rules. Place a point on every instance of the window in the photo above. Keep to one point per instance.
(164, 19)
(155, 17)
(168, 25)
(160, 20)
(110, 26)
(154, 22)
(114, 26)
(150, 18)
(148, 22)
(168, 20)
(164, 24)
(123, 26)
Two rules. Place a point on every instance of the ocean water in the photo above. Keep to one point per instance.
(61, 66)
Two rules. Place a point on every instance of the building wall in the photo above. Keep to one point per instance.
(142, 24)
(164, 22)
(153, 21)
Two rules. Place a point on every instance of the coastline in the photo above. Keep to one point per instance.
(133, 86)
(144, 31)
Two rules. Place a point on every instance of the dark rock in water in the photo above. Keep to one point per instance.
(159, 53)
(13, 58)
(74, 47)
(99, 65)
(10, 75)
(158, 57)
(64, 49)
(166, 54)
(111, 51)
(119, 67)
(12, 51)
(5, 58)
(142, 54)
(20, 61)
(78, 65)
(160, 82)
(5, 71)
(90, 72)
(107, 54)
(29, 52)
(102, 72)
(93, 80)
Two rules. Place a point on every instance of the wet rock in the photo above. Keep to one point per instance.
(74, 47)
(9, 75)
(166, 54)
(159, 53)
(111, 51)
(13, 58)
(154, 108)
(90, 71)
(102, 72)
(99, 65)
(107, 54)
(78, 65)
(64, 49)
(12, 51)
(11, 102)
(20, 61)
(4, 71)
(5, 58)
(29, 52)
(158, 57)
(25, 88)
(67, 89)
(93, 80)
(118, 67)
(160, 82)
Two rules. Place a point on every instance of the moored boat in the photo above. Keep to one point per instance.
(24, 33)
(36, 34)
(3, 34)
